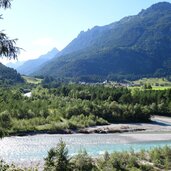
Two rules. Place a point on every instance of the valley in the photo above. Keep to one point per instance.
(49, 106)
(102, 103)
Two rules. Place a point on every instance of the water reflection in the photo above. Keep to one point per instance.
(34, 148)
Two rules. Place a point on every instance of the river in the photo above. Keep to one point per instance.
(34, 148)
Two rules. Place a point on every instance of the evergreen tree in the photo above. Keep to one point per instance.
(57, 159)
(7, 46)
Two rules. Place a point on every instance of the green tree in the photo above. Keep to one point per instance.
(5, 119)
(3, 166)
(57, 159)
(7, 46)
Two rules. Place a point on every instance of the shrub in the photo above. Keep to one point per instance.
(82, 162)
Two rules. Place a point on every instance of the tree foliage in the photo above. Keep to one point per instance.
(71, 107)
(57, 159)
(82, 162)
(5, 3)
(152, 160)
(7, 45)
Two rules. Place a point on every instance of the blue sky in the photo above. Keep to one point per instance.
(41, 25)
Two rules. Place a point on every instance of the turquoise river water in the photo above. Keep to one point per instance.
(34, 148)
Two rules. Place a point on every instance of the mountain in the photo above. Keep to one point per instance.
(135, 46)
(9, 75)
(31, 66)
(15, 65)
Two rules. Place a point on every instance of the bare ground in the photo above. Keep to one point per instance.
(157, 124)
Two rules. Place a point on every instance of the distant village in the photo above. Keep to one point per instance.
(115, 84)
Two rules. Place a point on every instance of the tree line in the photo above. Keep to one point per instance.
(74, 106)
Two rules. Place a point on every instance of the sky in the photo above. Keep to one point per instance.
(40, 25)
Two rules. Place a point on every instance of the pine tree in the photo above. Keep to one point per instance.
(7, 46)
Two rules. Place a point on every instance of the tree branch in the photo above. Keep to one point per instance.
(5, 4)
(7, 48)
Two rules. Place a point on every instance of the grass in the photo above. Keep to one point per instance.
(153, 88)
(32, 80)
(161, 87)
(156, 83)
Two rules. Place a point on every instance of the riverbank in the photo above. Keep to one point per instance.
(103, 129)
(29, 151)
(157, 124)
(146, 158)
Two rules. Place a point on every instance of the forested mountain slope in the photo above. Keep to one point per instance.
(135, 46)
(9, 75)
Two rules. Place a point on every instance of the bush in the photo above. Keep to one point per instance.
(5, 120)
(82, 162)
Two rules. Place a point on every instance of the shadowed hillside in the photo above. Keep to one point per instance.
(136, 46)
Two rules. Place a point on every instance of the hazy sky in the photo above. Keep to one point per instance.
(41, 25)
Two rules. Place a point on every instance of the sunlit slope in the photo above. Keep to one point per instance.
(135, 46)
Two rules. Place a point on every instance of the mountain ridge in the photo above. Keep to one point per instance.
(31, 66)
(129, 45)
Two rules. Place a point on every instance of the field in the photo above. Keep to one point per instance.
(155, 83)
(32, 80)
